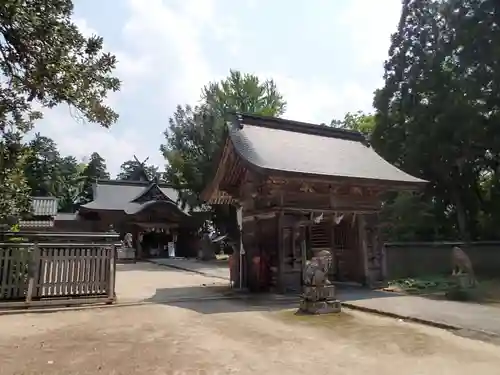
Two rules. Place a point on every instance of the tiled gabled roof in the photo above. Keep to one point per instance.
(278, 145)
(119, 195)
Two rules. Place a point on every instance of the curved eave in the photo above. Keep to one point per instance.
(211, 194)
(167, 204)
(84, 209)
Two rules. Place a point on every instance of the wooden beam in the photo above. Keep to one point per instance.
(328, 210)
(284, 178)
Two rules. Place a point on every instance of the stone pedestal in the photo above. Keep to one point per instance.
(464, 280)
(125, 253)
(319, 300)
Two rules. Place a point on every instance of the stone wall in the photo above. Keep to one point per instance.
(410, 259)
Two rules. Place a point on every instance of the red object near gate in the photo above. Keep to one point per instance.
(232, 270)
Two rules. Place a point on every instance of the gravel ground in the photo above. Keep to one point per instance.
(228, 337)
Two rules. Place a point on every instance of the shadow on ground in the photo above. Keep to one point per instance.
(217, 298)
(214, 290)
(193, 265)
(223, 305)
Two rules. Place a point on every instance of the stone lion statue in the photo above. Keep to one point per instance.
(127, 240)
(316, 270)
(462, 265)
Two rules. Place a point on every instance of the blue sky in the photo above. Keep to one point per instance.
(326, 57)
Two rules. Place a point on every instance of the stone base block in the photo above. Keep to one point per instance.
(125, 253)
(464, 280)
(319, 293)
(319, 307)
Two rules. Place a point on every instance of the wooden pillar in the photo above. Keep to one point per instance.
(303, 253)
(335, 261)
(363, 247)
(281, 252)
(138, 244)
(383, 263)
(379, 250)
(241, 255)
(308, 236)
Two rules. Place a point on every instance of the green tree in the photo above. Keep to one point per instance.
(50, 174)
(436, 114)
(358, 121)
(14, 190)
(42, 166)
(194, 137)
(398, 218)
(45, 60)
(244, 93)
(70, 179)
(95, 170)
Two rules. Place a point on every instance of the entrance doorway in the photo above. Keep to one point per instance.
(347, 255)
(155, 244)
(342, 240)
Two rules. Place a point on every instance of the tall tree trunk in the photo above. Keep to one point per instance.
(461, 216)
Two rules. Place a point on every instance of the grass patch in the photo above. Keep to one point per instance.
(486, 291)
(422, 285)
(342, 318)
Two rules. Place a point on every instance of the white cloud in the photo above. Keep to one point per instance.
(370, 25)
(171, 37)
(164, 52)
(130, 68)
(80, 139)
(318, 102)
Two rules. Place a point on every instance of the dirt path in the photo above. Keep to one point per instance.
(153, 283)
(230, 337)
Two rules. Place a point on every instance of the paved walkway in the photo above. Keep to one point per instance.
(468, 316)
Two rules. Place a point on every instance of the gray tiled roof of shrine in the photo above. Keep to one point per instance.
(281, 145)
(118, 195)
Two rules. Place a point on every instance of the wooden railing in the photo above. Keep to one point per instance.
(57, 273)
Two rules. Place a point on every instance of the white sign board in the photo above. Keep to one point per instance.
(171, 250)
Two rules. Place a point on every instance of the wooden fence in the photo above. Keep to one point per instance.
(57, 273)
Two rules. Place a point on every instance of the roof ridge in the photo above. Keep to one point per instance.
(133, 183)
(242, 119)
